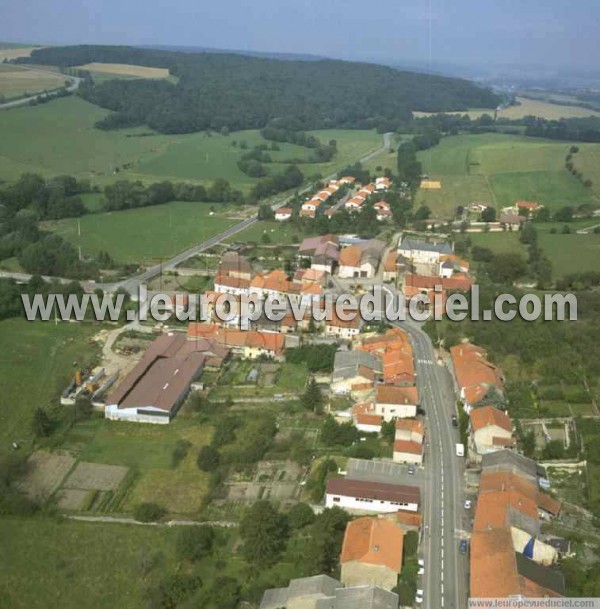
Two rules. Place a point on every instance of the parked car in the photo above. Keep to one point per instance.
(419, 597)
(467, 504)
(463, 546)
(454, 421)
(421, 566)
(411, 469)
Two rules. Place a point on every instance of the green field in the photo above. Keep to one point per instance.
(278, 232)
(35, 366)
(145, 234)
(59, 138)
(497, 169)
(499, 243)
(70, 564)
(16, 81)
(587, 161)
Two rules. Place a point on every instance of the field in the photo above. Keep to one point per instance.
(145, 234)
(278, 233)
(122, 69)
(16, 81)
(13, 51)
(497, 169)
(35, 369)
(59, 138)
(587, 161)
(49, 562)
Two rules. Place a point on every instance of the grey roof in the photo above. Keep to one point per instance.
(311, 588)
(509, 460)
(346, 364)
(563, 546)
(360, 597)
(521, 521)
(372, 251)
(548, 578)
(408, 243)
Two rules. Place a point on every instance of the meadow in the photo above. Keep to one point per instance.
(35, 369)
(59, 138)
(147, 234)
(277, 232)
(16, 81)
(121, 69)
(497, 169)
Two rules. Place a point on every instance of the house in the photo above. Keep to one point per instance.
(228, 284)
(269, 344)
(390, 269)
(354, 371)
(475, 376)
(423, 254)
(364, 495)
(307, 213)
(312, 205)
(155, 389)
(393, 402)
(342, 328)
(490, 430)
(511, 461)
(283, 213)
(234, 265)
(324, 592)
(372, 553)
(361, 260)
(347, 180)
(355, 203)
(310, 276)
(382, 183)
(408, 442)
(365, 418)
(384, 214)
(527, 208)
(322, 252)
(511, 221)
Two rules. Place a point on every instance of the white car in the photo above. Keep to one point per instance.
(419, 597)
(467, 504)
(421, 567)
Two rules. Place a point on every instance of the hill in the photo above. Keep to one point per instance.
(217, 91)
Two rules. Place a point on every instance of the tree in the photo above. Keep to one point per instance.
(507, 268)
(194, 543)
(564, 214)
(388, 430)
(528, 234)
(300, 516)
(149, 512)
(265, 212)
(41, 424)
(264, 532)
(488, 214)
(208, 459)
(312, 398)
(224, 593)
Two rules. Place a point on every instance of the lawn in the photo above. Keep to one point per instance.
(570, 253)
(68, 564)
(278, 233)
(587, 161)
(498, 169)
(16, 81)
(499, 243)
(36, 364)
(59, 138)
(147, 234)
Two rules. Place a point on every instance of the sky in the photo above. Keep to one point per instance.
(463, 32)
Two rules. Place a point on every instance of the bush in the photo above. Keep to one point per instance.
(194, 543)
(149, 512)
(300, 515)
(208, 459)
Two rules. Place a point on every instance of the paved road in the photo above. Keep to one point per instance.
(445, 580)
(74, 80)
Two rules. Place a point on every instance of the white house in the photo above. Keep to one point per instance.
(392, 402)
(491, 430)
(379, 497)
(231, 285)
(341, 328)
(283, 213)
(421, 252)
(361, 260)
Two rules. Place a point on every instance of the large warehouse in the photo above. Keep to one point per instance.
(155, 389)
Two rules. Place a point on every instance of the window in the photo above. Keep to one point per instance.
(336, 499)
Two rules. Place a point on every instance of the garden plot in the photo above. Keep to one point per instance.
(45, 473)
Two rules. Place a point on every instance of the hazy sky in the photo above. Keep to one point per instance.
(546, 32)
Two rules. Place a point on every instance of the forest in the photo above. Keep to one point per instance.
(234, 92)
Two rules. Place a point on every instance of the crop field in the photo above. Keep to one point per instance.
(36, 368)
(497, 169)
(59, 138)
(16, 81)
(14, 51)
(146, 234)
(122, 69)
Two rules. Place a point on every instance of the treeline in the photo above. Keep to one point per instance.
(292, 134)
(236, 92)
(409, 167)
(47, 199)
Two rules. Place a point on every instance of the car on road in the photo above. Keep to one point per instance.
(420, 595)
(463, 546)
(421, 567)
(454, 421)
(467, 504)
(411, 469)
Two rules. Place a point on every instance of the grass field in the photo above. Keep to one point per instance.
(68, 564)
(587, 161)
(499, 243)
(144, 235)
(13, 51)
(497, 169)
(16, 81)
(35, 366)
(123, 69)
(278, 232)
(59, 138)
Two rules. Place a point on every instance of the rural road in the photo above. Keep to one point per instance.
(445, 576)
(74, 80)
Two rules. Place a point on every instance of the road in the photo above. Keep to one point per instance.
(74, 80)
(445, 569)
